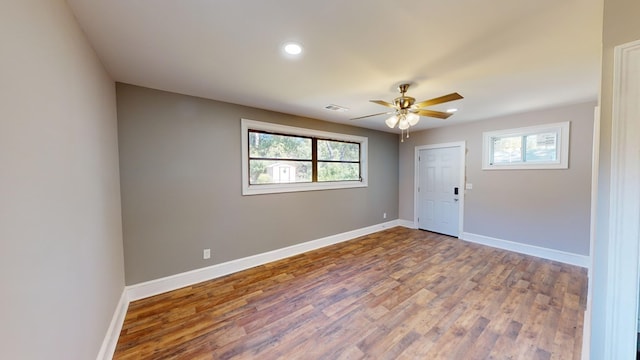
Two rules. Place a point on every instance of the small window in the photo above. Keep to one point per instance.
(278, 158)
(536, 147)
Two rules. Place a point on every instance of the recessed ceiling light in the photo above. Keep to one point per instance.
(292, 48)
(451, 111)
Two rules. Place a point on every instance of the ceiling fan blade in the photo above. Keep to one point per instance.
(383, 103)
(366, 116)
(431, 113)
(439, 100)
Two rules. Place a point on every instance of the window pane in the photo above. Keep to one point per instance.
(338, 171)
(279, 146)
(506, 150)
(279, 172)
(338, 151)
(541, 147)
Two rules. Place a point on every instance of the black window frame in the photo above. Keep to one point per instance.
(314, 156)
(274, 188)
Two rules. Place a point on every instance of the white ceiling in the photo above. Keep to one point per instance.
(503, 56)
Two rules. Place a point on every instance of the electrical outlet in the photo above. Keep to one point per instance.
(384, 215)
(206, 254)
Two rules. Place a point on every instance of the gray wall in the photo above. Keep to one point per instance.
(547, 208)
(61, 261)
(620, 26)
(181, 186)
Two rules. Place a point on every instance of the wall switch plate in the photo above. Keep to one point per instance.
(206, 254)
(384, 215)
(468, 186)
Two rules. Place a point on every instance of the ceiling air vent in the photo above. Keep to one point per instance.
(333, 107)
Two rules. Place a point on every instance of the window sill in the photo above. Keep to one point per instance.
(527, 167)
(284, 188)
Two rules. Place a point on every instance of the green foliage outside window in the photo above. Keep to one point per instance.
(338, 150)
(278, 158)
(266, 145)
(332, 161)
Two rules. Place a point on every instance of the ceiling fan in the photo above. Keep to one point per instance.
(407, 112)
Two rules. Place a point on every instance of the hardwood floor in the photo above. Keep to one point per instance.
(396, 294)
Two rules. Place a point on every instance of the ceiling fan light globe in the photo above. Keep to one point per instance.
(403, 125)
(392, 121)
(413, 119)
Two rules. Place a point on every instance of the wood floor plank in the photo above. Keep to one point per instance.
(395, 294)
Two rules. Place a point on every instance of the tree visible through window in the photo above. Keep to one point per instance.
(278, 158)
(338, 160)
(271, 154)
(282, 158)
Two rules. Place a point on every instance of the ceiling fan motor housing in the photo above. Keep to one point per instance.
(404, 102)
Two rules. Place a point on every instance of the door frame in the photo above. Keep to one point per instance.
(623, 268)
(595, 166)
(462, 149)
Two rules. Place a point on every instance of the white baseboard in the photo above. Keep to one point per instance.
(158, 286)
(173, 282)
(545, 253)
(113, 332)
(586, 332)
(406, 223)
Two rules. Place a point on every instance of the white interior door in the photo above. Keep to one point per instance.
(439, 191)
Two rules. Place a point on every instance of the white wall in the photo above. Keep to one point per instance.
(61, 261)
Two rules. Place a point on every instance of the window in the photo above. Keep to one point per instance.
(278, 158)
(338, 160)
(536, 147)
